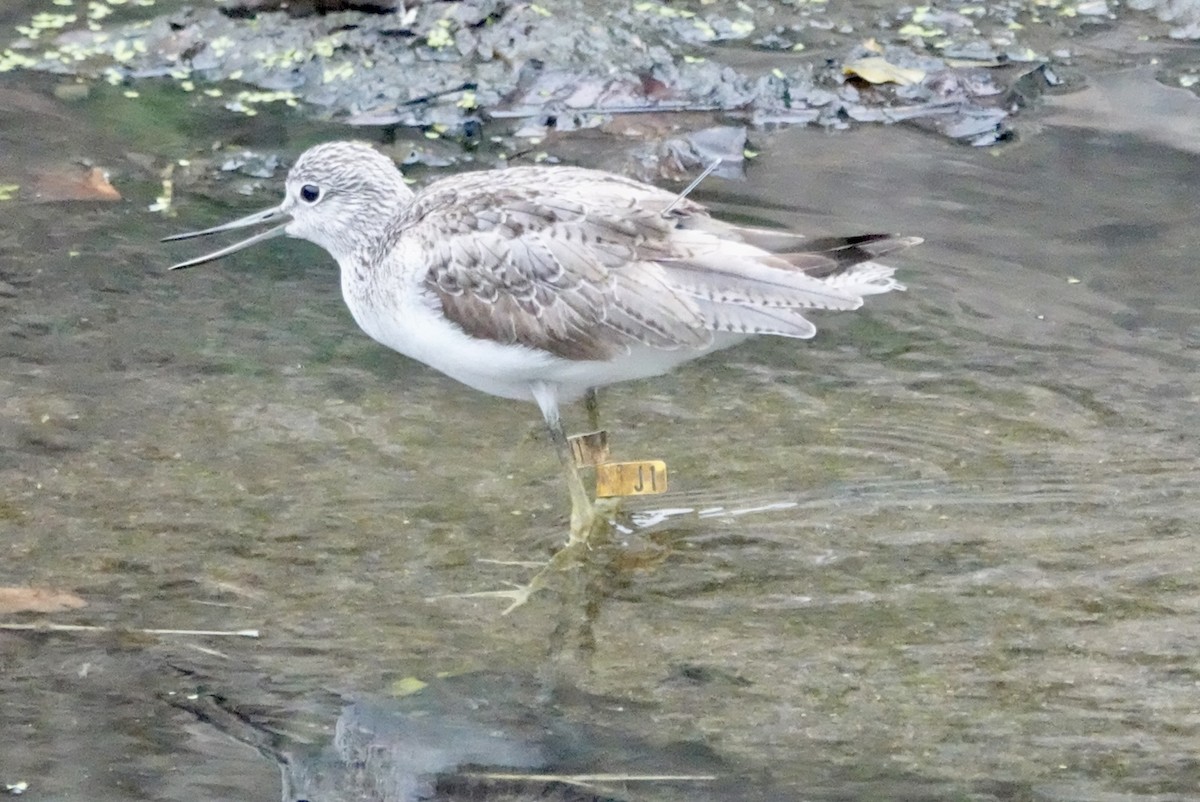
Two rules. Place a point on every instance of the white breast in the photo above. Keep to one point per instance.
(398, 312)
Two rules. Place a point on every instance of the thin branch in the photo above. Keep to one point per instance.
(48, 627)
(585, 779)
(695, 183)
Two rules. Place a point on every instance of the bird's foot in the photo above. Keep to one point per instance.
(569, 557)
(583, 523)
(516, 594)
(590, 525)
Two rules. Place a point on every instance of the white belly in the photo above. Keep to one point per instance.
(410, 325)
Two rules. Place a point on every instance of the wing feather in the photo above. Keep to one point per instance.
(583, 264)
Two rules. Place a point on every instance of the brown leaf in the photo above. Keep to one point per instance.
(97, 181)
(69, 183)
(876, 70)
(38, 600)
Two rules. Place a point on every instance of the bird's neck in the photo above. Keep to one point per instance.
(372, 221)
(389, 200)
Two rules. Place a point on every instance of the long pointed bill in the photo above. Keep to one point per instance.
(265, 216)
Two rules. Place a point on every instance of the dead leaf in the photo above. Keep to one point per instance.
(38, 600)
(876, 70)
(97, 181)
(71, 183)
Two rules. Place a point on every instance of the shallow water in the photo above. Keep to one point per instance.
(946, 550)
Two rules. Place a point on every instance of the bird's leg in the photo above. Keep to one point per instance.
(606, 508)
(584, 521)
(591, 402)
(583, 513)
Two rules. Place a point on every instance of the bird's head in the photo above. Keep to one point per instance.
(338, 195)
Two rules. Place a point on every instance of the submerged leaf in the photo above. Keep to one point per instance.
(38, 600)
(876, 70)
(68, 183)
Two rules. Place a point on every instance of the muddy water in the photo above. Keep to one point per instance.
(946, 550)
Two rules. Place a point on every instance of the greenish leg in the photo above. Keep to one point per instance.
(591, 402)
(583, 513)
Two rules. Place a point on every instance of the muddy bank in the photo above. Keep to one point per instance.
(514, 74)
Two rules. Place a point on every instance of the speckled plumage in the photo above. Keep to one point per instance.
(539, 283)
(564, 267)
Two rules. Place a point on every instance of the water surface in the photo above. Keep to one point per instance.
(946, 550)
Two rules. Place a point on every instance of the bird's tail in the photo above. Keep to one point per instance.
(745, 288)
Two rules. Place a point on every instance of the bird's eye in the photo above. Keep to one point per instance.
(310, 193)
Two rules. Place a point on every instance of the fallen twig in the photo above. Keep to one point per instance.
(48, 627)
(586, 779)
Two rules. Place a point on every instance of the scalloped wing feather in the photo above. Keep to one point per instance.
(582, 264)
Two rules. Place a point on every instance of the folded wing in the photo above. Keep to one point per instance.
(583, 264)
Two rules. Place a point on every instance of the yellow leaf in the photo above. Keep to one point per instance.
(876, 70)
(912, 29)
(407, 686)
